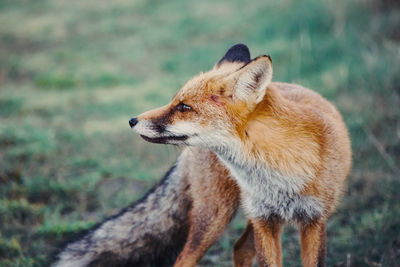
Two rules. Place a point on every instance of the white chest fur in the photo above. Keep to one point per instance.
(267, 193)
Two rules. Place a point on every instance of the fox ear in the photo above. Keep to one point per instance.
(239, 53)
(252, 79)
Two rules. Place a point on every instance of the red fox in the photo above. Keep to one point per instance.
(285, 146)
(279, 149)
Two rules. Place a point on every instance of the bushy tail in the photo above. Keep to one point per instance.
(151, 232)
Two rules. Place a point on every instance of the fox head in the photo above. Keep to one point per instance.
(213, 107)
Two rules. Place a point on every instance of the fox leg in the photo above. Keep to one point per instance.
(267, 241)
(313, 244)
(244, 250)
(213, 208)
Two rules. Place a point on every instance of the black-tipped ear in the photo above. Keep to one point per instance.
(237, 53)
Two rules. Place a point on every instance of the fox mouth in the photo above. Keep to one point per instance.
(164, 139)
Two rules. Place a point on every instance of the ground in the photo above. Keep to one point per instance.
(72, 73)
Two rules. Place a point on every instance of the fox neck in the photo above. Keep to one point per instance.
(275, 137)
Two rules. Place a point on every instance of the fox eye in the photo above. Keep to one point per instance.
(183, 107)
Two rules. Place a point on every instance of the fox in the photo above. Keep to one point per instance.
(286, 148)
(182, 216)
(186, 211)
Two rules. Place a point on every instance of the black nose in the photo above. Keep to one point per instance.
(133, 122)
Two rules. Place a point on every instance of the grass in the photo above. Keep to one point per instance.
(73, 72)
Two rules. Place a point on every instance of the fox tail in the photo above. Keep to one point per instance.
(150, 232)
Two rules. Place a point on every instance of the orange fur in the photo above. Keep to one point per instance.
(267, 242)
(284, 128)
(215, 200)
(313, 247)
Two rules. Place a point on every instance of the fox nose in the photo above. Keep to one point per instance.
(133, 122)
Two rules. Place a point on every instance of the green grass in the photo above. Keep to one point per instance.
(73, 72)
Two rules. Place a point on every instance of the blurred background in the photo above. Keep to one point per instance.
(73, 72)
